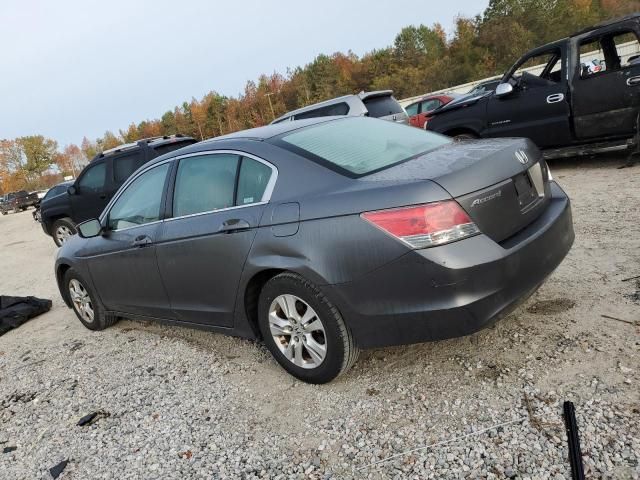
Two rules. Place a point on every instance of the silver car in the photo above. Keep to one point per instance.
(379, 104)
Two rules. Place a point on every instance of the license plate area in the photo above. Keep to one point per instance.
(525, 190)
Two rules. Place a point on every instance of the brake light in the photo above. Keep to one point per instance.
(425, 225)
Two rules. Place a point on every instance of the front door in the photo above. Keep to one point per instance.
(538, 107)
(91, 191)
(607, 84)
(123, 261)
(217, 204)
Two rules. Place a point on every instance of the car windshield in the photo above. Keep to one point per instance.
(358, 146)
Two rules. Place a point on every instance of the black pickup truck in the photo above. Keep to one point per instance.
(578, 95)
(18, 201)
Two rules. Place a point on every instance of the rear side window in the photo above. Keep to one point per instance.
(123, 167)
(93, 178)
(205, 183)
(412, 109)
(252, 181)
(357, 146)
(330, 110)
(382, 106)
(170, 147)
(430, 105)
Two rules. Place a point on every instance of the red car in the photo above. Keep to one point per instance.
(419, 110)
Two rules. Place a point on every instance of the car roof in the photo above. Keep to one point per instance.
(606, 23)
(362, 96)
(258, 134)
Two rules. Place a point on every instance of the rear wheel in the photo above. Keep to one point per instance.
(303, 330)
(84, 303)
(62, 229)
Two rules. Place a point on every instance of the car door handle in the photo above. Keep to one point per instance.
(234, 225)
(555, 98)
(142, 241)
(631, 81)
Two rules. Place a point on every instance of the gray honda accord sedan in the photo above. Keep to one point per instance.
(323, 237)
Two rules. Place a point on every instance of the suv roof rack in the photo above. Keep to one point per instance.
(142, 141)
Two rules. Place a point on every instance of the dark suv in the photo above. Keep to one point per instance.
(98, 182)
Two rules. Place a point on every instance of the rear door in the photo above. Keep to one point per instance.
(217, 203)
(538, 107)
(606, 85)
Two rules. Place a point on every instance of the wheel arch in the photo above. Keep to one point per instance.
(61, 271)
(461, 130)
(251, 295)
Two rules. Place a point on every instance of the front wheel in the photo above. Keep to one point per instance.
(85, 304)
(304, 331)
(62, 229)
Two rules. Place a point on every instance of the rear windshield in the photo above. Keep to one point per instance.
(382, 106)
(358, 146)
(327, 111)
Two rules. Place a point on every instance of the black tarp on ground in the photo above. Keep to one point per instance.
(14, 311)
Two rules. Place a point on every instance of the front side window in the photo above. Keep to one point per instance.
(358, 146)
(140, 202)
(93, 178)
(540, 70)
(205, 183)
(430, 105)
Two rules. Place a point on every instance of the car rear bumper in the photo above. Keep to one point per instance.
(456, 289)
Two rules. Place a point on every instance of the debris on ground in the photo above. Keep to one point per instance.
(56, 470)
(9, 449)
(14, 311)
(92, 417)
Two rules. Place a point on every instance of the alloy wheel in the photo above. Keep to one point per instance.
(63, 233)
(81, 300)
(297, 331)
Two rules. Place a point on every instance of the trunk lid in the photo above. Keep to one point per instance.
(502, 184)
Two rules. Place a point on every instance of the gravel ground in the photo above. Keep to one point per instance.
(179, 403)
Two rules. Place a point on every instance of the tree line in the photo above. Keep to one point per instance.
(421, 59)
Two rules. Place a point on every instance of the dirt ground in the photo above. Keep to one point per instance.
(556, 345)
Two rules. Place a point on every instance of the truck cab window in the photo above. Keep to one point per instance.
(608, 53)
(540, 70)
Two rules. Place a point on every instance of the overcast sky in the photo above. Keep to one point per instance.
(70, 68)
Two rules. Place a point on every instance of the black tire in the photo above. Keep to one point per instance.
(464, 137)
(57, 228)
(101, 319)
(4, 212)
(341, 351)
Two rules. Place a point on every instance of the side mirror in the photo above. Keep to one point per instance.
(504, 89)
(90, 228)
(72, 190)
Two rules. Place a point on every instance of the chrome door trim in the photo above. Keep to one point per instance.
(632, 81)
(266, 196)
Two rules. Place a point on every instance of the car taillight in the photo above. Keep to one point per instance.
(427, 225)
